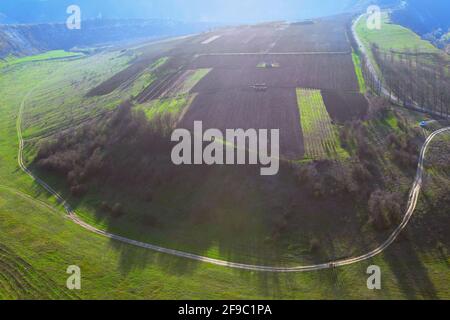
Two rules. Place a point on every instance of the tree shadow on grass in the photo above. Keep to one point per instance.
(216, 215)
(409, 270)
(190, 231)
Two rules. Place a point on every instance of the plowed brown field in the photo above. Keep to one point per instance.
(314, 55)
(243, 108)
(322, 71)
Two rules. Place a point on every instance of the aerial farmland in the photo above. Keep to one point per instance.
(87, 175)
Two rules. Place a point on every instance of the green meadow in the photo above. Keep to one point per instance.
(38, 242)
(393, 36)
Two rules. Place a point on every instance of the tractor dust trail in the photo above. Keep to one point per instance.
(412, 203)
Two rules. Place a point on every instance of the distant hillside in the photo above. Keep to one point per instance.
(228, 12)
(364, 4)
(5, 19)
(427, 18)
(22, 40)
(424, 16)
(430, 19)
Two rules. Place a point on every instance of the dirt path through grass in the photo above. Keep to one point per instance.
(412, 203)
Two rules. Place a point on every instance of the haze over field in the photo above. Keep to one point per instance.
(231, 11)
(240, 149)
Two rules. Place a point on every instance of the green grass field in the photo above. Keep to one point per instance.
(174, 106)
(66, 88)
(393, 36)
(55, 54)
(396, 38)
(319, 133)
(147, 77)
(359, 74)
(38, 243)
(193, 79)
(178, 101)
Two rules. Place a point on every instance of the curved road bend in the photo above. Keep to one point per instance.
(412, 203)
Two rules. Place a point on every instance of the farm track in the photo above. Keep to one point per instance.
(300, 53)
(411, 206)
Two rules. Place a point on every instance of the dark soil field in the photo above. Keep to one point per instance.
(321, 71)
(313, 210)
(314, 55)
(98, 130)
(327, 35)
(244, 108)
(324, 43)
(345, 106)
(323, 35)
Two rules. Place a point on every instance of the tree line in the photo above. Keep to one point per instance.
(414, 79)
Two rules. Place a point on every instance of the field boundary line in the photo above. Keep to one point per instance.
(300, 53)
(29, 197)
(411, 206)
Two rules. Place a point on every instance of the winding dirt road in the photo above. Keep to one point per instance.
(412, 203)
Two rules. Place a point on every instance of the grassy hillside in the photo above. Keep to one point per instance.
(55, 54)
(415, 71)
(36, 235)
(393, 36)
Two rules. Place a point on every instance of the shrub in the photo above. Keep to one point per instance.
(314, 245)
(104, 206)
(78, 190)
(121, 147)
(149, 221)
(117, 210)
(384, 209)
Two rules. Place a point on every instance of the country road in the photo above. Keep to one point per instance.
(369, 63)
(384, 90)
(412, 203)
(294, 53)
